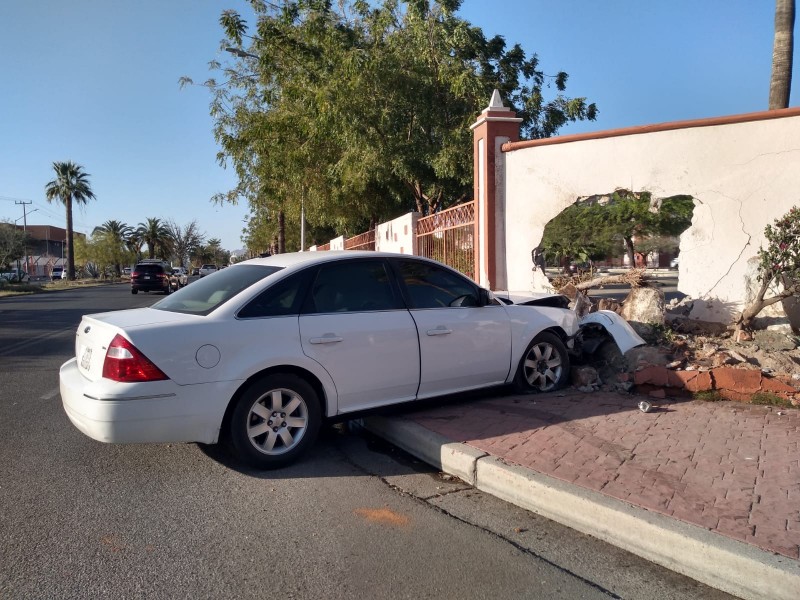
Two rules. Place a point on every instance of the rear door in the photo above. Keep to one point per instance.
(354, 324)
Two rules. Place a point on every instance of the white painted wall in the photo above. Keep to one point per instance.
(337, 243)
(397, 235)
(742, 175)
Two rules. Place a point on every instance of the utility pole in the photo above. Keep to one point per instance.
(303, 221)
(25, 228)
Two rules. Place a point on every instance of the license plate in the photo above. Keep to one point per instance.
(86, 358)
(147, 276)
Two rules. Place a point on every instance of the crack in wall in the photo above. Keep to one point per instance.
(741, 252)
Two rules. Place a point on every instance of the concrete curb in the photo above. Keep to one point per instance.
(713, 559)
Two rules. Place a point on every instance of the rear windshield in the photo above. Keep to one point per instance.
(211, 292)
(149, 268)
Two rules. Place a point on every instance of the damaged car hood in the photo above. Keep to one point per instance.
(617, 327)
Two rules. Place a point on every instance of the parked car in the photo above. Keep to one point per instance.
(260, 354)
(15, 276)
(151, 276)
(675, 262)
(180, 277)
(207, 270)
(58, 273)
(195, 271)
(126, 270)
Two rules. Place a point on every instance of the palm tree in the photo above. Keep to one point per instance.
(115, 234)
(780, 85)
(157, 237)
(134, 243)
(71, 184)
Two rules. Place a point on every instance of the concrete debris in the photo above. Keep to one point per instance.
(686, 355)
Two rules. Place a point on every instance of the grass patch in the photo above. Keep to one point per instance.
(769, 399)
(708, 396)
(19, 289)
(25, 289)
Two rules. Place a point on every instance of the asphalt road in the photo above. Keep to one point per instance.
(355, 518)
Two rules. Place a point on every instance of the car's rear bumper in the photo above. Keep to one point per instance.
(149, 287)
(143, 413)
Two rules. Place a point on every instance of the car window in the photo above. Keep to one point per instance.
(209, 293)
(351, 286)
(280, 299)
(431, 286)
(149, 269)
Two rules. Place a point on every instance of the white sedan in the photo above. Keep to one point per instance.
(180, 277)
(258, 354)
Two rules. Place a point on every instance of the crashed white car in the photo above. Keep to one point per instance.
(258, 354)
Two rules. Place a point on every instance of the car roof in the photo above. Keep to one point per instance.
(299, 259)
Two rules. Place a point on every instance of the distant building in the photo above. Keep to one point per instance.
(46, 248)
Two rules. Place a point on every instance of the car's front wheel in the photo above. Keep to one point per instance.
(544, 366)
(275, 421)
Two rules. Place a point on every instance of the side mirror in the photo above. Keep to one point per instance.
(485, 297)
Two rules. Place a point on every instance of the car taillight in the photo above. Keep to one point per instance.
(126, 364)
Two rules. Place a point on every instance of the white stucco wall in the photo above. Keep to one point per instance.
(337, 243)
(397, 235)
(742, 175)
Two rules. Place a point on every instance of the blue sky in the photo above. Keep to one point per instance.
(96, 82)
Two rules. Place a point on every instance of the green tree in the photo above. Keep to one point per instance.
(363, 111)
(214, 250)
(596, 227)
(12, 245)
(70, 185)
(157, 236)
(780, 84)
(113, 237)
(134, 243)
(778, 266)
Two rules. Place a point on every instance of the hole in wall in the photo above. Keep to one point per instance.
(615, 230)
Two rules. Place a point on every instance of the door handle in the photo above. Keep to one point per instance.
(328, 338)
(441, 330)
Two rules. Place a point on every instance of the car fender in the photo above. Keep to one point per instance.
(617, 327)
(529, 321)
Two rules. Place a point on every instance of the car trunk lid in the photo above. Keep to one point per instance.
(96, 332)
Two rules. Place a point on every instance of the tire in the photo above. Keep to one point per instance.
(134, 291)
(544, 366)
(287, 402)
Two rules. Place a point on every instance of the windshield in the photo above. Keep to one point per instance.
(212, 291)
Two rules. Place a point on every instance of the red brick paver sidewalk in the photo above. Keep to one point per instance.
(728, 467)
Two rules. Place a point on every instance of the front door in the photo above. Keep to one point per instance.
(462, 346)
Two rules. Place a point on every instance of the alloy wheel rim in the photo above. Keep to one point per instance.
(277, 421)
(543, 367)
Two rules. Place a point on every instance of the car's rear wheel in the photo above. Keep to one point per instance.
(275, 421)
(544, 366)
(134, 291)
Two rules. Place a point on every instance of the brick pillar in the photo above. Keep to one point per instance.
(495, 126)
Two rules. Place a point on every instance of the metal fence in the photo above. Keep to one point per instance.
(449, 237)
(362, 241)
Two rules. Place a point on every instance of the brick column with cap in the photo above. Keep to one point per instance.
(495, 126)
